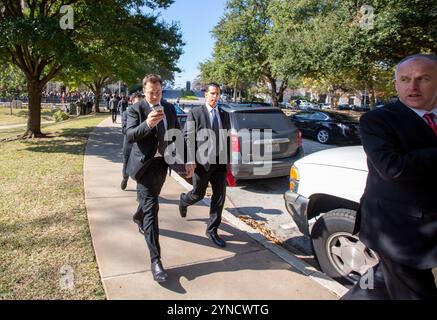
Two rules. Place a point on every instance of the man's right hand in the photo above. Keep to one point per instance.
(189, 168)
(154, 118)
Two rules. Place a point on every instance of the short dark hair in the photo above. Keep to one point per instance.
(212, 84)
(137, 94)
(152, 78)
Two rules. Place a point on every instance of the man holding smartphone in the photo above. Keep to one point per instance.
(147, 122)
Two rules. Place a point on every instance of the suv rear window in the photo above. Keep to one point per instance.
(275, 120)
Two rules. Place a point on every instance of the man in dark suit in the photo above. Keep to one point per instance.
(113, 106)
(209, 166)
(398, 211)
(127, 146)
(147, 122)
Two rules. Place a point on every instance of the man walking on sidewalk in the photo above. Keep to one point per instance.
(127, 146)
(214, 169)
(113, 106)
(147, 122)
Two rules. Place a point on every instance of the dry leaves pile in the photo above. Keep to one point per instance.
(260, 226)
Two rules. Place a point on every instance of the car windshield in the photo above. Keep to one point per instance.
(262, 120)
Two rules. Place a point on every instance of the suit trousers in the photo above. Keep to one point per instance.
(216, 175)
(148, 190)
(127, 147)
(114, 115)
(393, 281)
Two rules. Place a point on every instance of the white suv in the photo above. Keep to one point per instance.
(324, 195)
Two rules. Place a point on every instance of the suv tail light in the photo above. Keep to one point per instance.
(235, 143)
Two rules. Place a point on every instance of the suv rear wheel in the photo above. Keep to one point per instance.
(341, 255)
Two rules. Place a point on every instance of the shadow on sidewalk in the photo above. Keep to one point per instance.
(246, 255)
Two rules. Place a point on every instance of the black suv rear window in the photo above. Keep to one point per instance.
(262, 120)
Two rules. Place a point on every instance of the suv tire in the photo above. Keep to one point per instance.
(341, 255)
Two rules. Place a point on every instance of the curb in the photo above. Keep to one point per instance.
(317, 276)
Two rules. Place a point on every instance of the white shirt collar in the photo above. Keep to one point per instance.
(210, 108)
(421, 112)
(152, 105)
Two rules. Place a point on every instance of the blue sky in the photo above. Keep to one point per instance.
(196, 19)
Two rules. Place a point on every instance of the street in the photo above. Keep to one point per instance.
(263, 201)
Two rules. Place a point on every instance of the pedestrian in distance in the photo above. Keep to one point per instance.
(214, 169)
(122, 105)
(147, 123)
(113, 106)
(397, 217)
(127, 146)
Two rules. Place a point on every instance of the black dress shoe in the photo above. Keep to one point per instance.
(123, 183)
(158, 271)
(182, 208)
(214, 237)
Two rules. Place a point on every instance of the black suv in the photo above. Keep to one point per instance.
(286, 142)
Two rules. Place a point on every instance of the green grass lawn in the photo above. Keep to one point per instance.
(19, 116)
(43, 223)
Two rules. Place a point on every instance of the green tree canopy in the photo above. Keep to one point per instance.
(350, 45)
(12, 81)
(332, 40)
(34, 40)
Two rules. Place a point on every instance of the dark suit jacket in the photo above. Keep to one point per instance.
(198, 119)
(127, 146)
(398, 211)
(145, 139)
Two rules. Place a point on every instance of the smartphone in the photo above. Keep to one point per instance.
(158, 109)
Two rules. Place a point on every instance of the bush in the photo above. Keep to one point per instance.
(61, 116)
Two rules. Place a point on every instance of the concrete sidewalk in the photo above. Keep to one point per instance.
(250, 267)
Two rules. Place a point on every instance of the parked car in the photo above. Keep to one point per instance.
(304, 105)
(286, 142)
(181, 115)
(344, 107)
(326, 186)
(362, 108)
(327, 126)
(324, 106)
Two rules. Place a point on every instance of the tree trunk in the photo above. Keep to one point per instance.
(372, 95)
(97, 99)
(34, 119)
(284, 85)
(235, 94)
(274, 94)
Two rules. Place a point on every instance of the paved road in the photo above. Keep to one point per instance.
(263, 201)
(14, 126)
